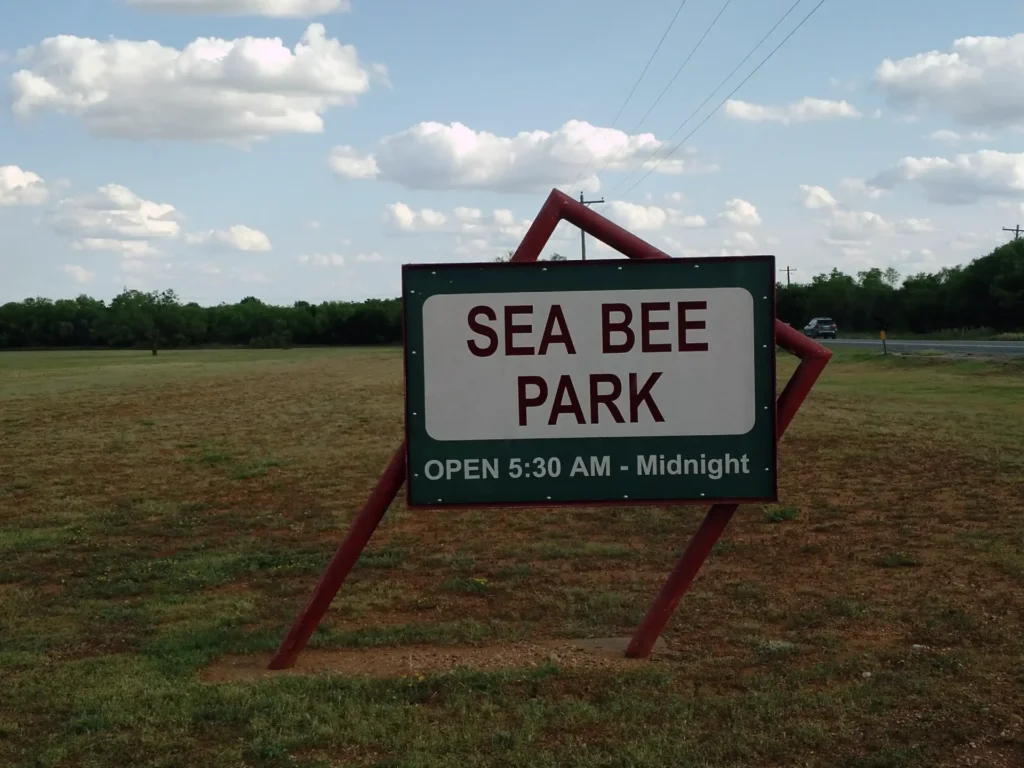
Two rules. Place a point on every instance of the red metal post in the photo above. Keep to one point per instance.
(560, 206)
(814, 357)
(366, 522)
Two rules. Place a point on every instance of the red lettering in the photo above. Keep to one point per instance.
(608, 399)
(647, 326)
(565, 388)
(691, 325)
(530, 402)
(511, 329)
(477, 327)
(643, 395)
(608, 327)
(550, 336)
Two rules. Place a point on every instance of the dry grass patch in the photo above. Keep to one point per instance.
(161, 515)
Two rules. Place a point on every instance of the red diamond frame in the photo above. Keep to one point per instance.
(560, 207)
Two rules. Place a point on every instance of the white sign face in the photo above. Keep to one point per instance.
(638, 363)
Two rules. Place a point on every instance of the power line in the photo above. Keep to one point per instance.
(1016, 231)
(731, 93)
(637, 83)
(708, 98)
(583, 234)
(667, 86)
(787, 270)
(647, 66)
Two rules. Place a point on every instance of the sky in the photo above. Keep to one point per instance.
(306, 149)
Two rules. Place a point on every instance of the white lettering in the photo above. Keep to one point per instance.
(713, 468)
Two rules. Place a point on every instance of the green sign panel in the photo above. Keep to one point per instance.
(621, 381)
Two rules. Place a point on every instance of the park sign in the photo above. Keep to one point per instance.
(608, 381)
(649, 380)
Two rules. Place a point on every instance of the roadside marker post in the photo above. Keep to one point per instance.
(586, 383)
(885, 350)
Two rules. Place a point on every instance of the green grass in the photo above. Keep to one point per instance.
(776, 514)
(160, 514)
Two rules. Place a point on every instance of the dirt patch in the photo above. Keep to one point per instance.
(409, 661)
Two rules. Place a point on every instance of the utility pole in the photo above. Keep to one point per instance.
(583, 235)
(1016, 230)
(787, 270)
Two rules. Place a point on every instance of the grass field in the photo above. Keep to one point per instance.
(162, 517)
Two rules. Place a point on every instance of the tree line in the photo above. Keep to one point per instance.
(988, 293)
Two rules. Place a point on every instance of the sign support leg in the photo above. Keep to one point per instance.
(348, 552)
(679, 580)
(813, 358)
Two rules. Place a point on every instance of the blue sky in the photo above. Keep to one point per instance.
(130, 163)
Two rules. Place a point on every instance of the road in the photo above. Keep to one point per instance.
(954, 347)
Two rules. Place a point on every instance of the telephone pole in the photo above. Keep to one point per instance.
(583, 235)
(787, 270)
(1016, 231)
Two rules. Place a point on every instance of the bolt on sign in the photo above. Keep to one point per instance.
(622, 381)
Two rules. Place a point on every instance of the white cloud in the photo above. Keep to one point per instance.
(271, 8)
(638, 217)
(403, 218)
(436, 156)
(216, 90)
(149, 268)
(127, 248)
(349, 164)
(979, 82)
(252, 276)
(913, 261)
(849, 229)
(380, 73)
(80, 275)
(114, 219)
(856, 225)
(816, 198)
(333, 259)
(633, 216)
(323, 260)
(860, 188)
(236, 238)
(806, 110)
(20, 187)
(740, 213)
(961, 180)
(741, 240)
(915, 226)
(975, 242)
(952, 137)
(478, 234)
